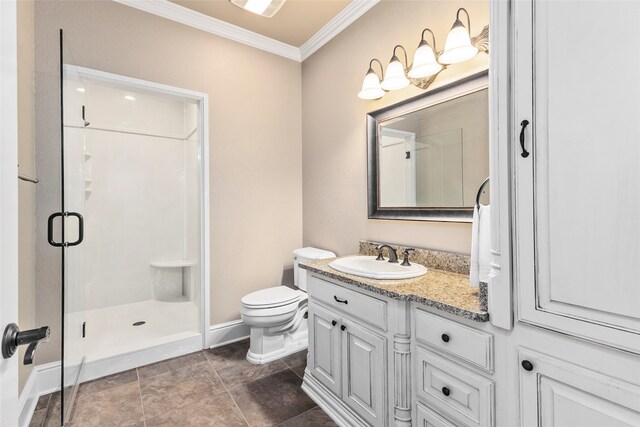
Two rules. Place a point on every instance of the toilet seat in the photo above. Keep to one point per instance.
(276, 296)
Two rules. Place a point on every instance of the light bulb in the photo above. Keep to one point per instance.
(395, 78)
(424, 62)
(458, 46)
(371, 86)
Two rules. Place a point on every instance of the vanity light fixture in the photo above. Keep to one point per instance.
(424, 60)
(371, 88)
(395, 76)
(266, 8)
(428, 63)
(458, 47)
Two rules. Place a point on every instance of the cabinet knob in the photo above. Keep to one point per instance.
(343, 327)
(445, 337)
(334, 323)
(446, 391)
(528, 366)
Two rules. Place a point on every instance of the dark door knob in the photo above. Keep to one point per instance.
(334, 323)
(528, 366)
(446, 391)
(343, 327)
(13, 337)
(445, 337)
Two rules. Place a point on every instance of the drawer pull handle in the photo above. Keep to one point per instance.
(343, 327)
(445, 337)
(446, 391)
(343, 301)
(528, 366)
(334, 323)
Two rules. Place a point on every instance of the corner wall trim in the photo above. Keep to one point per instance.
(342, 20)
(227, 333)
(186, 16)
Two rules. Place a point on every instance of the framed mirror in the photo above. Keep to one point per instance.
(429, 155)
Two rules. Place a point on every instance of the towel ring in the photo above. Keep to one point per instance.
(480, 191)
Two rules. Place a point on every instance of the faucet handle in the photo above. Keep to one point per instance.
(405, 253)
(378, 247)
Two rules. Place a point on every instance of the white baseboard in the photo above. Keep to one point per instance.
(227, 333)
(44, 379)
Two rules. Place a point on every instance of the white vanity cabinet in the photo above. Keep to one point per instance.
(447, 356)
(577, 195)
(375, 360)
(347, 353)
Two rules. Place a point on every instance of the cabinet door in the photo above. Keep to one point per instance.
(428, 418)
(364, 368)
(324, 347)
(556, 393)
(578, 194)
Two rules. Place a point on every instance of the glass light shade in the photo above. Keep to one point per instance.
(395, 78)
(371, 87)
(458, 46)
(424, 62)
(257, 6)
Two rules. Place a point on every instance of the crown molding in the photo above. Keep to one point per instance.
(346, 17)
(186, 16)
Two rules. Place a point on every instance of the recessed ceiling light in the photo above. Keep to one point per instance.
(129, 98)
(80, 89)
(266, 8)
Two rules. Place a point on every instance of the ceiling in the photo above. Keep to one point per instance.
(294, 24)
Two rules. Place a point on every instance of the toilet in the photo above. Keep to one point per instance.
(277, 315)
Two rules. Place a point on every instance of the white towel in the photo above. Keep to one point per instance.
(480, 245)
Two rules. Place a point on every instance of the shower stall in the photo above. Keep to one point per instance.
(132, 224)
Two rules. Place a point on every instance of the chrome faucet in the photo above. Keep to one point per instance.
(393, 256)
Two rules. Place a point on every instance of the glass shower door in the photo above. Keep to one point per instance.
(74, 178)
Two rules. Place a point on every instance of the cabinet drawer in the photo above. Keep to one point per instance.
(364, 307)
(473, 346)
(428, 418)
(461, 394)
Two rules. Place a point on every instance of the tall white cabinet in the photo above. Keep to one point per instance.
(577, 198)
(574, 153)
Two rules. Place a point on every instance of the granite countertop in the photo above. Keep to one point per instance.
(444, 290)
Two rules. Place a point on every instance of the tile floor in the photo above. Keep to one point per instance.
(208, 388)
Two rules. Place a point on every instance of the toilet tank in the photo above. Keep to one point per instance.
(306, 254)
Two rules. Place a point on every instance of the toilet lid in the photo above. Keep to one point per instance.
(271, 297)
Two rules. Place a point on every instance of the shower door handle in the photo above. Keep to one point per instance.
(53, 216)
(50, 229)
(80, 228)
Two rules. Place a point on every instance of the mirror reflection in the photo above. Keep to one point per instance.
(435, 157)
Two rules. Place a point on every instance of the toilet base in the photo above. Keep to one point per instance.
(265, 348)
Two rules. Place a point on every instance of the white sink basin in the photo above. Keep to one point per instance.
(367, 266)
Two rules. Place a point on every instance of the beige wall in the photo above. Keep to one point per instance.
(333, 125)
(26, 191)
(255, 138)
